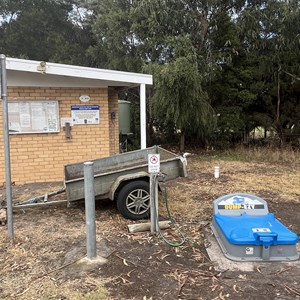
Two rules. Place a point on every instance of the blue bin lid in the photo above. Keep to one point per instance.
(255, 230)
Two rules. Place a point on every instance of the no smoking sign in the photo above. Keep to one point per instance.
(153, 163)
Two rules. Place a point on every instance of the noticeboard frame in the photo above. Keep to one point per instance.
(33, 113)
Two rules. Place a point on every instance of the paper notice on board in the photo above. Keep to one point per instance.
(25, 120)
(14, 126)
(51, 108)
(13, 107)
(24, 108)
(52, 124)
(38, 117)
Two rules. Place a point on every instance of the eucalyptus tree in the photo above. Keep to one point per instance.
(175, 36)
(170, 37)
(114, 46)
(243, 58)
(270, 33)
(42, 30)
(178, 98)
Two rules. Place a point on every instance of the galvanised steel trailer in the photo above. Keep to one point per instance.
(124, 178)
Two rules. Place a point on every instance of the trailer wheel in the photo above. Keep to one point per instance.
(133, 201)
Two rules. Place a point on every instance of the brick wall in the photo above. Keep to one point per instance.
(40, 157)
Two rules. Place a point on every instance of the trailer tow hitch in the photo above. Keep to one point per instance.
(41, 200)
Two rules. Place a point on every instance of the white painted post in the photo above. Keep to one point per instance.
(143, 115)
(89, 195)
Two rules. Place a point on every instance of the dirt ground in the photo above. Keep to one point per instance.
(44, 260)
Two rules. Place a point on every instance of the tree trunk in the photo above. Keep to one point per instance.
(182, 140)
(278, 125)
(150, 133)
(265, 133)
(278, 97)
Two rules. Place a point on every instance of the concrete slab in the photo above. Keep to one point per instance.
(79, 250)
(220, 262)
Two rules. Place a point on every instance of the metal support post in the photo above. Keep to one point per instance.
(154, 203)
(8, 188)
(89, 195)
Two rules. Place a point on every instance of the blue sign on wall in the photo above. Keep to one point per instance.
(85, 114)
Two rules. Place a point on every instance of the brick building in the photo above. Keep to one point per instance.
(61, 114)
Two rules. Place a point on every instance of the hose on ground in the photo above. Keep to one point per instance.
(163, 237)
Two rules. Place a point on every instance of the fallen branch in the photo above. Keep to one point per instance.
(293, 291)
(180, 286)
(62, 267)
(132, 228)
(284, 270)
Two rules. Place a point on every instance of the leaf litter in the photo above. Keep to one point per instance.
(141, 266)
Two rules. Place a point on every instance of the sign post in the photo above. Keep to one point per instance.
(154, 169)
(8, 189)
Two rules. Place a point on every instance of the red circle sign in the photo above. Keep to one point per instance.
(153, 160)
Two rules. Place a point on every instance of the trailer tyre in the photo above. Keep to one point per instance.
(133, 201)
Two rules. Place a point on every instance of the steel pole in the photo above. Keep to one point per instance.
(8, 189)
(89, 195)
(153, 203)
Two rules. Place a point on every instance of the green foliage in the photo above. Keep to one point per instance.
(115, 46)
(236, 59)
(42, 30)
(273, 47)
(178, 96)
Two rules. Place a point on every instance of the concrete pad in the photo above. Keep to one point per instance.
(79, 250)
(222, 263)
(99, 261)
(79, 268)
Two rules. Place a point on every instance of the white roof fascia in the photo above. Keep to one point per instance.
(26, 79)
(78, 71)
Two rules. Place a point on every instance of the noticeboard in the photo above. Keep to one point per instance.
(39, 116)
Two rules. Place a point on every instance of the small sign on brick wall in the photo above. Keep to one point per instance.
(85, 114)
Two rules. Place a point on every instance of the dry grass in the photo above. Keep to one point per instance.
(270, 180)
(265, 154)
(32, 265)
(48, 288)
(41, 244)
